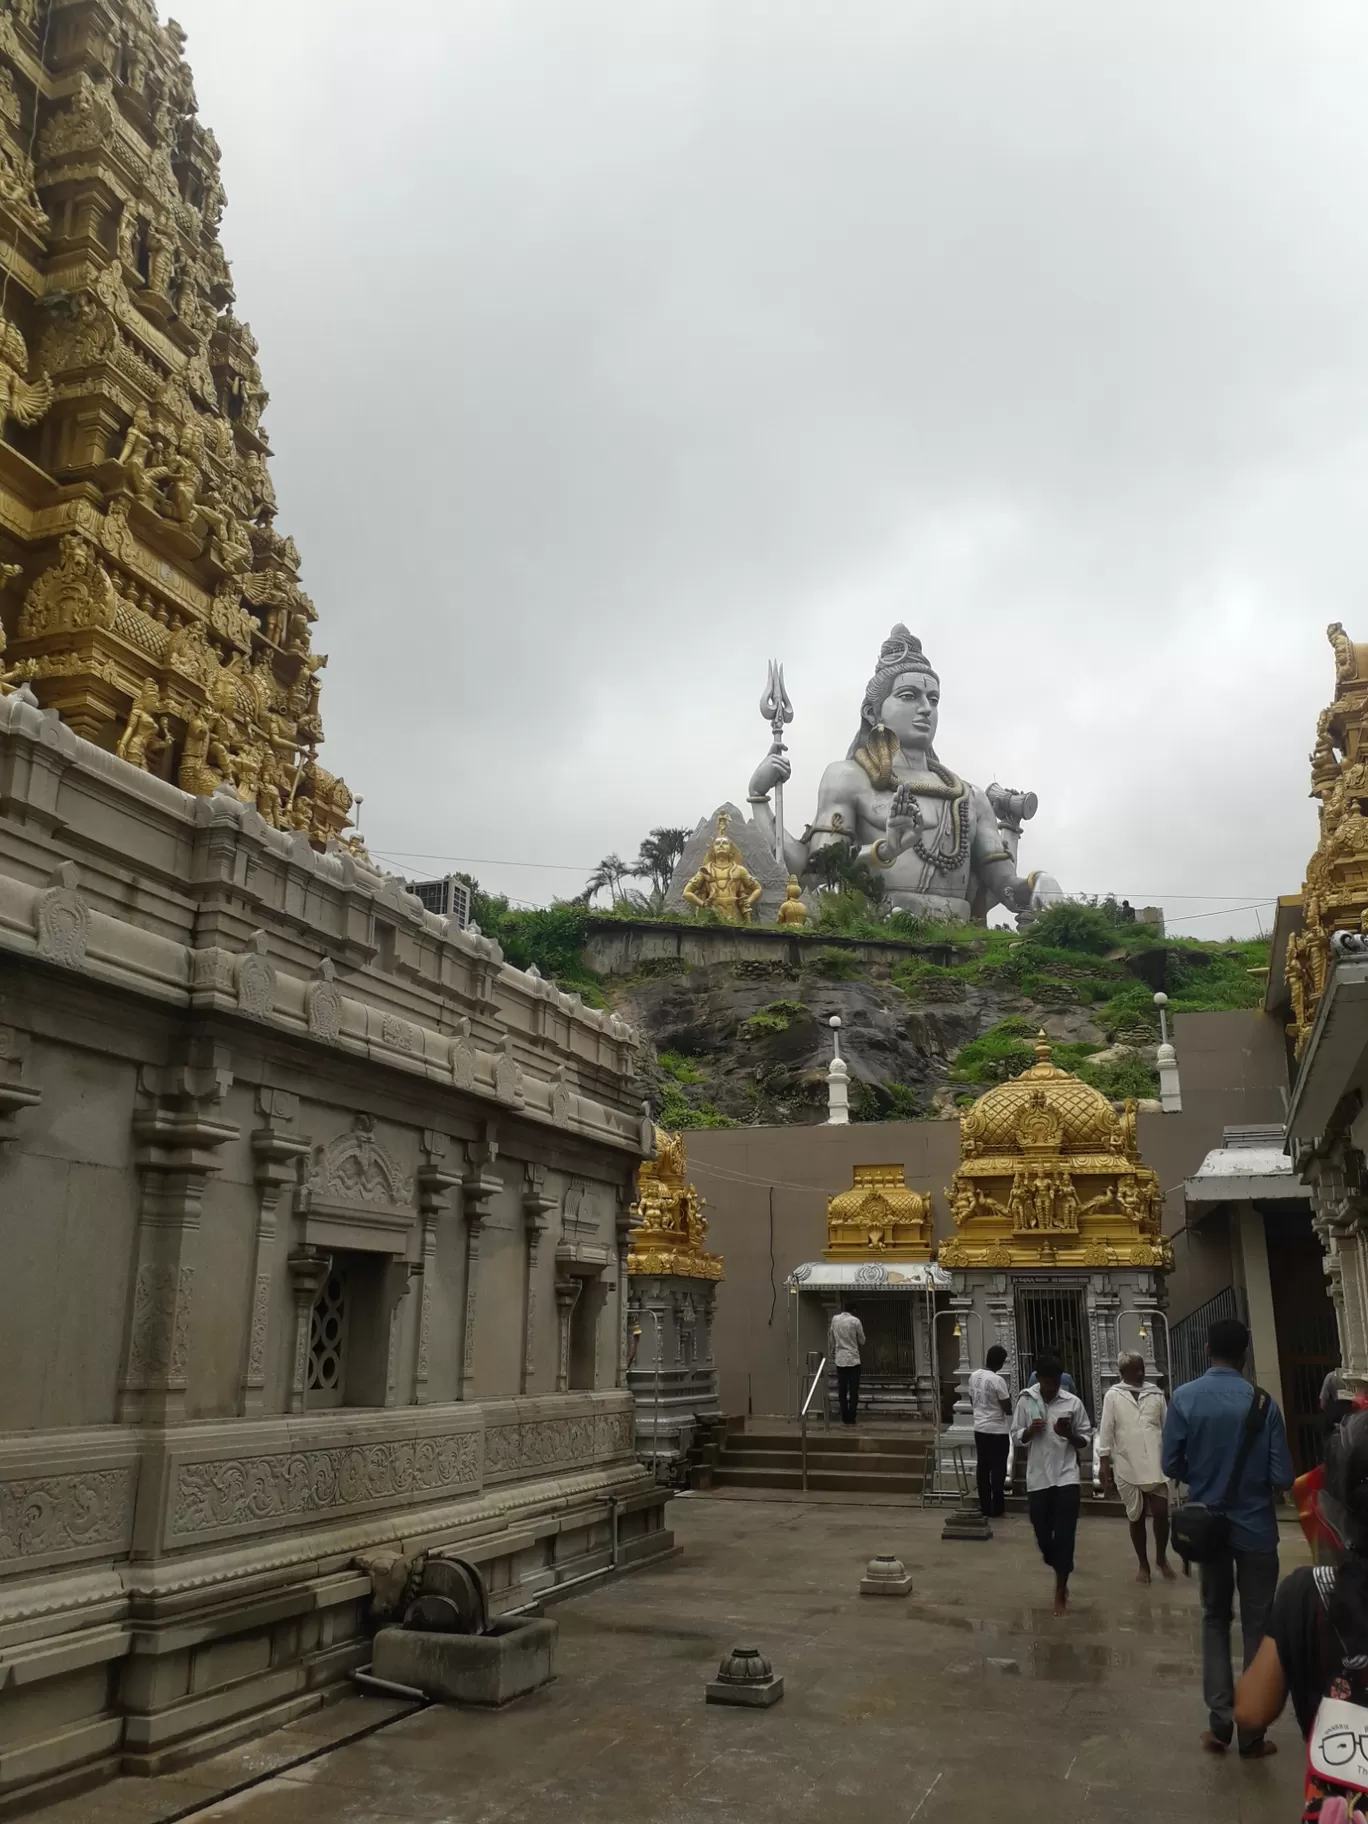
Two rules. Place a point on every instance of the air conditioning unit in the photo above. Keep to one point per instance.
(448, 898)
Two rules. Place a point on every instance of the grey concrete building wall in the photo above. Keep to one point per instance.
(774, 1182)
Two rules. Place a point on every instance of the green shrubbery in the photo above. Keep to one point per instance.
(777, 1017)
(836, 965)
(1008, 1048)
(677, 1111)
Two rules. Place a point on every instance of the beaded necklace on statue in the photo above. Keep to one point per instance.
(944, 861)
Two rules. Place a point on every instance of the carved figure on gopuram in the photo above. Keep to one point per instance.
(1334, 897)
(944, 848)
(155, 607)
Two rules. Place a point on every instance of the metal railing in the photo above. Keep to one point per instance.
(1188, 1337)
(817, 1380)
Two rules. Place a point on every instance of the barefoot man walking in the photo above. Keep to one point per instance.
(1130, 1441)
(1053, 1425)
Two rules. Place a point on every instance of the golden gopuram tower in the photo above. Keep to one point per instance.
(672, 1280)
(148, 596)
(1335, 892)
(879, 1218)
(1050, 1176)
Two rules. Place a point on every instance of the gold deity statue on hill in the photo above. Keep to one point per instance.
(724, 884)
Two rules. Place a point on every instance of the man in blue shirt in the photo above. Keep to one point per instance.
(1206, 1420)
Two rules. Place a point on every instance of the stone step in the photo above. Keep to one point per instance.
(874, 1463)
(851, 1442)
(847, 1480)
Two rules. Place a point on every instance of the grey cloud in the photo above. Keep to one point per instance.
(616, 346)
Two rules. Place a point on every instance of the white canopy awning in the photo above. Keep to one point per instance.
(868, 1276)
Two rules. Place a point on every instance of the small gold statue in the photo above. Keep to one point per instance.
(724, 884)
(140, 730)
(792, 911)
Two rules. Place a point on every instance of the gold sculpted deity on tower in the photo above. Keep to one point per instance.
(671, 1228)
(148, 597)
(1335, 892)
(724, 884)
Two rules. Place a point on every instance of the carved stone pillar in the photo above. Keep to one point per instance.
(435, 1183)
(308, 1270)
(537, 1208)
(276, 1153)
(176, 1154)
(478, 1188)
(962, 1304)
(399, 1277)
(1001, 1325)
(625, 1205)
(567, 1296)
(1338, 1217)
(1103, 1304)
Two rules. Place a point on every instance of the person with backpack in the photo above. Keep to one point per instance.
(1316, 1648)
(1227, 1441)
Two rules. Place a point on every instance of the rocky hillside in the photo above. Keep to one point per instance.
(924, 1028)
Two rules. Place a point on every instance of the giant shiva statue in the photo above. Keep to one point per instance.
(946, 849)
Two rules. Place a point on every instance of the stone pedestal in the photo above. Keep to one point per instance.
(675, 1317)
(513, 1658)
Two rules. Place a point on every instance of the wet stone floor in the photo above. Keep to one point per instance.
(893, 1709)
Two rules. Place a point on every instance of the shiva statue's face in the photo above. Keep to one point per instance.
(911, 710)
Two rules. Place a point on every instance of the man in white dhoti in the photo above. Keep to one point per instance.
(1130, 1444)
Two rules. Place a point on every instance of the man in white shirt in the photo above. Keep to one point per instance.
(847, 1336)
(992, 1403)
(1054, 1426)
(1130, 1441)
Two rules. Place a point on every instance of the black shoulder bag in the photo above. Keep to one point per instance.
(1200, 1533)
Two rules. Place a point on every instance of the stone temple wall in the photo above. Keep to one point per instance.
(314, 1216)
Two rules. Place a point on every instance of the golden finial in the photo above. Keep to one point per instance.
(1044, 1051)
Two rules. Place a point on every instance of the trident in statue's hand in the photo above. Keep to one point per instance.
(778, 712)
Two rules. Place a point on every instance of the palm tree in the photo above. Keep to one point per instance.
(658, 857)
(839, 869)
(610, 873)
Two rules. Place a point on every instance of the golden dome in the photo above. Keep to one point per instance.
(1043, 1106)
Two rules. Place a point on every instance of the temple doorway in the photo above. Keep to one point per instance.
(1308, 1340)
(1054, 1317)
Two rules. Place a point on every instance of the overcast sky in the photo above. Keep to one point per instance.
(616, 345)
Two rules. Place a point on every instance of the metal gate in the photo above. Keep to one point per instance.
(890, 1351)
(1308, 1340)
(1054, 1318)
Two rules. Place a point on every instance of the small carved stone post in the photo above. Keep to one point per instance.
(435, 1182)
(277, 1154)
(177, 1147)
(308, 1271)
(478, 1188)
(537, 1208)
(567, 1296)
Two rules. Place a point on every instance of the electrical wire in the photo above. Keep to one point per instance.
(587, 867)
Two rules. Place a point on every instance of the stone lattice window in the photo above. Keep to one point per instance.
(328, 1341)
